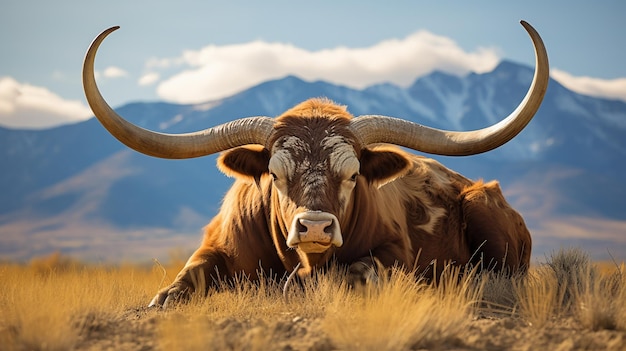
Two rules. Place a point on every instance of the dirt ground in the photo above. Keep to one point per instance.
(137, 330)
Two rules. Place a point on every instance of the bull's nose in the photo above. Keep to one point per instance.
(315, 231)
(319, 229)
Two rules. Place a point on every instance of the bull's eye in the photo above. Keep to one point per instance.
(274, 177)
(353, 178)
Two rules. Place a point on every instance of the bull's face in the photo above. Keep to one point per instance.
(314, 172)
(315, 164)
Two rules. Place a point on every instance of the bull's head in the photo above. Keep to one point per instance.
(316, 162)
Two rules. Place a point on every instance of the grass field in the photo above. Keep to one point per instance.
(567, 303)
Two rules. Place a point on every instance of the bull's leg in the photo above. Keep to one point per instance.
(204, 270)
(366, 270)
(363, 271)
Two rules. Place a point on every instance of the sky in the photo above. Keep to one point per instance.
(197, 51)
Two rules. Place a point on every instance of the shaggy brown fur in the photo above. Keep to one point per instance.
(396, 209)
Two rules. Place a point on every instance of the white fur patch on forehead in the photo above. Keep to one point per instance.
(295, 144)
(282, 164)
(343, 160)
(282, 161)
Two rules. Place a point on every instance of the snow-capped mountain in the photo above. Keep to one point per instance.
(78, 190)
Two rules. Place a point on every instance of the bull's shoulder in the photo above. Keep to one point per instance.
(246, 199)
(427, 174)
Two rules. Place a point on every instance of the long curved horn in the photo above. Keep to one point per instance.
(382, 129)
(252, 130)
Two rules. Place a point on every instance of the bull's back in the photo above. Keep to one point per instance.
(426, 201)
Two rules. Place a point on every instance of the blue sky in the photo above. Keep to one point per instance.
(194, 51)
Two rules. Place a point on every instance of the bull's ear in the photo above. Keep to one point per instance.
(383, 164)
(248, 162)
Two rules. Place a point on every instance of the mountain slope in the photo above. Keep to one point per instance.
(567, 164)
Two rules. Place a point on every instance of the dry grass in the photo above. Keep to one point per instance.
(55, 303)
(49, 310)
(539, 297)
(402, 313)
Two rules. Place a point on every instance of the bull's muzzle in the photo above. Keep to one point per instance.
(314, 232)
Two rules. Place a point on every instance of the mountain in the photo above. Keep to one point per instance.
(76, 189)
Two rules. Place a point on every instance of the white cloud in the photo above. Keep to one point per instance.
(114, 72)
(605, 88)
(149, 79)
(218, 71)
(28, 106)
(111, 72)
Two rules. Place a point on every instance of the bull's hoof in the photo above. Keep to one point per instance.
(170, 296)
(360, 273)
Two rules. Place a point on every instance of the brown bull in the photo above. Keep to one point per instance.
(316, 185)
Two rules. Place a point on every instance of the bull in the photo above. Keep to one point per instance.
(315, 186)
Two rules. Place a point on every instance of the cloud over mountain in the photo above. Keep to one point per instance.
(214, 72)
(23, 105)
(604, 88)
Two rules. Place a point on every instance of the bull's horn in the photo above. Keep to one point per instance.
(382, 129)
(252, 130)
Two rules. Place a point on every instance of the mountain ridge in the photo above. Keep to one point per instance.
(570, 158)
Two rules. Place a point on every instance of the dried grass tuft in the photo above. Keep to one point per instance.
(402, 313)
